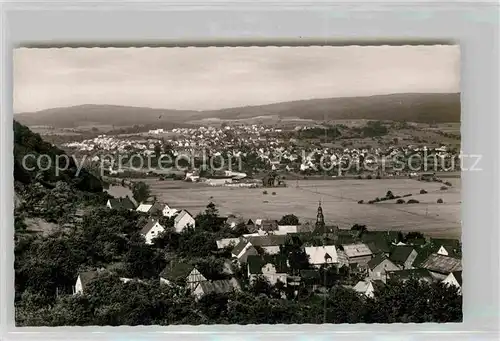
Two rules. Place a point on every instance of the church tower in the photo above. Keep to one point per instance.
(320, 219)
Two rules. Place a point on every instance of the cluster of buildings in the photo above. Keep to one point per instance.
(274, 148)
(376, 256)
(182, 218)
(104, 143)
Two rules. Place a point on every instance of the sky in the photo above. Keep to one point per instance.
(221, 77)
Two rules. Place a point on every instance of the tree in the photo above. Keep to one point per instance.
(296, 256)
(240, 229)
(209, 220)
(289, 219)
(358, 227)
(417, 302)
(261, 285)
(143, 261)
(157, 150)
(140, 191)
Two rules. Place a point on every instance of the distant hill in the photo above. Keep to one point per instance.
(423, 108)
(94, 115)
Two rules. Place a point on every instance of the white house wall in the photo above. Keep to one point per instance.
(153, 233)
(184, 222)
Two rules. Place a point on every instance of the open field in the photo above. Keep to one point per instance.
(339, 201)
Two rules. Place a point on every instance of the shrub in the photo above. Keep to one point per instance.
(407, 195)
(265, 192)
(371, 202)
(423, 191)
(378, 177)
(369, 177)
(377, 199)
(274, 193)
(440, 201)
(360, 202)
(412, 201)
(400, 201)
(359, 177)
(444, 188)
(447, 183)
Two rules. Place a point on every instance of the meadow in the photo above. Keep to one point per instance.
(339, 199)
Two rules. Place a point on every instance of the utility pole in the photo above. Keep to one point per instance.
(324, 284)
(326, 295)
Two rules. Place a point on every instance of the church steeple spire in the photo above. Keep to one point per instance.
(320, 218)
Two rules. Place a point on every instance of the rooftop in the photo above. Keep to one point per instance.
(441, 264)
(357, 250)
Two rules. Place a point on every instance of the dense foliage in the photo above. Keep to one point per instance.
(36, 159)
(111, 302)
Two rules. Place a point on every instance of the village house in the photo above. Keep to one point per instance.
(454, 279)
(286, 229)
(445, 250)
(270, 244)
(151, 230)
(181, 274)
(242, 250)
(441, 266)
(120, 204)
(168, 211)
(150, 208)
(320, 255)
(446, 247)
(358, 253)
(232, 222)
(378, 241)
(219, 180)
(422, 275)
(271, 267)
(404, 256)
(183, 220)
(216, 287)
(342, 258)
(378, 267)
(84, 278)
(368, 287)
(226, 242)
(268, 225)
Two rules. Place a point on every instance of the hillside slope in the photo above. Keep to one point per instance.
(91, 115)
(425, 108)
(28, 143)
